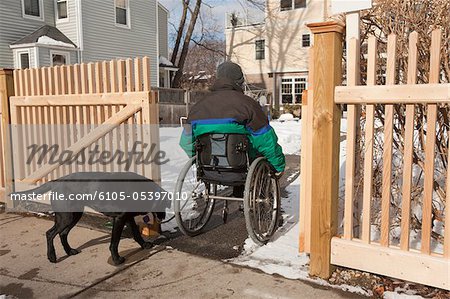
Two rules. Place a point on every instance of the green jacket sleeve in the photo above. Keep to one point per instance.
(266, 143)
(187, 142)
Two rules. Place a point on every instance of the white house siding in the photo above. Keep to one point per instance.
(14, 27)
(103, 40)
(69, 27)
(163, 32)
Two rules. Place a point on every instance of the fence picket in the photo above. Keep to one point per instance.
(353, 117)
(98, 77)
(105, 77)
(70, 79)
(57, 79)
(27, 81)
(368, 138)
(113, 75)
(84, 78)
(447, 210)
(430, 145)
(63, 72)
(44, 76)
(137, 74)
(33, 81)
(91, 77)
(16, 82)
(121, 75)
(408, 152)
(129, 74)
(77, 78)
(387, 149)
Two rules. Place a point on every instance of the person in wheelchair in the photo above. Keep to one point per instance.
(227, 113)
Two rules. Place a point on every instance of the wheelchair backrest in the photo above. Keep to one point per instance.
(222, 151)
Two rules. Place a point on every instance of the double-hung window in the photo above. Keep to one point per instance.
(292, 4)
(122, 12)
(32, 9)
(23, 59)
(61, 10)
(306, 40)
(260, 49)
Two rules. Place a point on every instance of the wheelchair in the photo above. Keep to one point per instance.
(222, 162)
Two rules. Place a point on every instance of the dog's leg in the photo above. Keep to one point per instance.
(60, 224)
(118, 225)
(137, 235)
(63, 235)
(51, 234)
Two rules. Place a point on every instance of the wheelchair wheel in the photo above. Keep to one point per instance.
(194, 208)
(261, 202)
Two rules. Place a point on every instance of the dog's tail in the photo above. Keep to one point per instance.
(42, 189)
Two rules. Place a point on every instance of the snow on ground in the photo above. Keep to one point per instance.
(289, 138)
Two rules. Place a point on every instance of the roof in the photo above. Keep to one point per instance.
(46, 31)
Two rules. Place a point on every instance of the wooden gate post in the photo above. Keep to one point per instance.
(6, 91)
(325, 140)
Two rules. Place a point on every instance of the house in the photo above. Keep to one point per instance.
(274, 52)
(36, 33)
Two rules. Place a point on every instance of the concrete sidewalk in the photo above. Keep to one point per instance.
(160, 272)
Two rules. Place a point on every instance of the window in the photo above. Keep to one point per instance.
(23, 59)
(306, 40)
(59, 58)
(286, 91)
(122, 12)
(292, 90)
(292, 4)
(299, 4)
(259, 49)
(32, 9)
(61, 9)
(299, 87)
(286, 5)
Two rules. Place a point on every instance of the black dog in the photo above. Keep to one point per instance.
(125, 185)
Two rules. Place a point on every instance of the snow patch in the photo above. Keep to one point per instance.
(46, 40)
(163, 60)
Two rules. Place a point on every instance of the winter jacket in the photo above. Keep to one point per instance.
(227, 110)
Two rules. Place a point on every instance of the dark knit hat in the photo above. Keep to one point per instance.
(230, 71)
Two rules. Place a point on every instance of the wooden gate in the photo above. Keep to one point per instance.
(357, 247)
(78, 107)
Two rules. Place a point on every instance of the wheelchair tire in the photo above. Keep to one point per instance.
(202, 208)
(262, 201)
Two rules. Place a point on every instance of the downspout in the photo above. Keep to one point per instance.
(79, 30)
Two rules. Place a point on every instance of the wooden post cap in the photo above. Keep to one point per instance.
(328, 26)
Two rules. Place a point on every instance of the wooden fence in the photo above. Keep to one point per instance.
(320, 157)
(104, 104)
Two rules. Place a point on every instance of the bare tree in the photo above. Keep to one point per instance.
(401, 17)
(180, 31)
(201, 63)
(187, 39)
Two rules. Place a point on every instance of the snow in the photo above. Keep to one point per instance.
(288, 136)
(46, 40)
(164, 61)
(397, 295)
